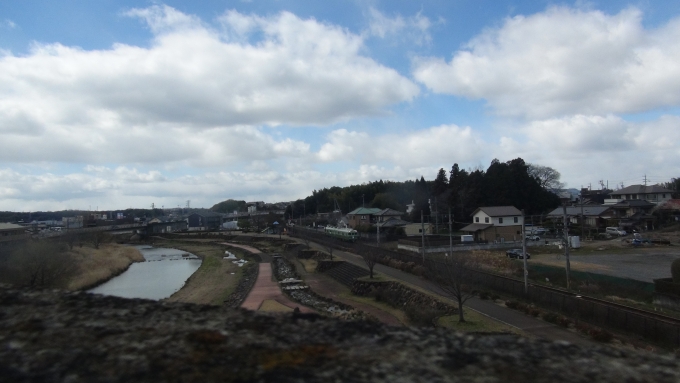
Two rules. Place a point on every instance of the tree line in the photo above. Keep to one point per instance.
(525, 186)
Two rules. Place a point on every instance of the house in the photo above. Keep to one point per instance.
(361, 216)
(496, 223)
(387, 214)
(594, 216)
(654, 194)
(416, 229)
(206, 220)
(160, 227)
(10, 231)
(634, 213)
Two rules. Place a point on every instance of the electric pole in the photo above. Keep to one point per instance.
(566, 239)
(422, 231)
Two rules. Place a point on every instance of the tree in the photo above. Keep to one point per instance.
(371, 258)
(440, 183)
(547, 177)
(96, 238)
(450, 277)
(40, 264)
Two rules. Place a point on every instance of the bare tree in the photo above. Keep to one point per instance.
(547, 177)
(450, 275)
(69, 238)
(97, 238)
(371, 258)
(41, 264)
(329, 248)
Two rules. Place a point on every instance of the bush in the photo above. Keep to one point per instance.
(564, 322)
(512, 304)
(422, 316)
(601, 335)
(484, 295)
(419, 271)
(550, 317)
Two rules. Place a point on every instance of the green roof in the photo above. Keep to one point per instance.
(365, 211)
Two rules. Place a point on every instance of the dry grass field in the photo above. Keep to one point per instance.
(96, 266)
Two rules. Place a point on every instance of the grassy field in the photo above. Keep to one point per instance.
(214, 281)
(476, 322)
(96, 266)
(272, 306)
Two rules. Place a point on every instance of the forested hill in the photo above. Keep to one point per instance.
(515, 182)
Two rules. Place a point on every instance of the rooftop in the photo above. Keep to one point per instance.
(499, 211)
(641, 189)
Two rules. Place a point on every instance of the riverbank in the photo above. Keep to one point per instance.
(215, 280)
(97, 266)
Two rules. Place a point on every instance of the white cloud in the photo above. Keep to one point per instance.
(416, 27)
(432, 147)
(8, 24)
(564, 61)
(195, 95)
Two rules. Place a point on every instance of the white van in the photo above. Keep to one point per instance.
(615, 231)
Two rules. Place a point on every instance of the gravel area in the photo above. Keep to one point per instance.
(51, 336)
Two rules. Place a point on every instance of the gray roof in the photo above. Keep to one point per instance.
(365, 211)
(10, 226)
(588, 210)
(393, 222)
(499, 211)
(641, 189)
(388, 211)
(633, 203)
(476, 227)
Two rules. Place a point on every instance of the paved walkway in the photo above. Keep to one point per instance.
(266, 288)
(528, 324)
(244, 247)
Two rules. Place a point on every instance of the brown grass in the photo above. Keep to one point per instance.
(273, 306)
(96, 266)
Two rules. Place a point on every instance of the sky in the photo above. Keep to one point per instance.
(117, 104)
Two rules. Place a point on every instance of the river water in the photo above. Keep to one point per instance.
(163, 274)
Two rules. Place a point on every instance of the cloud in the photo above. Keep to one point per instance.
(195, 94)
(431, 147)
(415, 28)
(7, 24)
(564, 61)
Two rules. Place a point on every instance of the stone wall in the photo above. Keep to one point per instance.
(52, 336)
(245, 284)
(401, 296)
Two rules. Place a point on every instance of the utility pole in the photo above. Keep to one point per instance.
(566, 238)
(450, 234)
(422, 232)
(524, 256)
(377, 232)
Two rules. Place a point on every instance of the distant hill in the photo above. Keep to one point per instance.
(229, 206)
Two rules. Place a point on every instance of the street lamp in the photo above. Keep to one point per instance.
(566, 198)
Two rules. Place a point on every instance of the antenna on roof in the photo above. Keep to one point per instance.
(645, 179)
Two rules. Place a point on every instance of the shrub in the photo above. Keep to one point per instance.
(534, 312)
(550, 317)
(422, 316)
(512, 304)
(564, 322)
(419, 271)
(601, 335)
(484, 295)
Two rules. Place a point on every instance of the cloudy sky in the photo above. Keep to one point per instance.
(116, 104)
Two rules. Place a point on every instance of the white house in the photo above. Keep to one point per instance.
(496, 223)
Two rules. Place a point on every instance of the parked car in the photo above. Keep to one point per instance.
(516, 253)
(615, 231)
(532, 237)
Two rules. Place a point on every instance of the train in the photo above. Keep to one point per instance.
(345, 234)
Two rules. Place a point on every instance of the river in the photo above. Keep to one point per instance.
(161, 275)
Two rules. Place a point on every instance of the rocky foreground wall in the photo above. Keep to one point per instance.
(52, 336)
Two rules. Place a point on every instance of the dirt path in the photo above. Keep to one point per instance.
(267, 289)
(244, 247)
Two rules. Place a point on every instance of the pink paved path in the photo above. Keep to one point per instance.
(245, 247)
(265, 289)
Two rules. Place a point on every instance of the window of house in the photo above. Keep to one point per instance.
(486, 219)
(516, 219)
(420, 230)
(500, 220)
(363, 217)
(476, 219)
(663, 196)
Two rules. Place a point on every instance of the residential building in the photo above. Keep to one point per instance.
(496, 223)
(361, 216)
(10, 231)
(166, 227)
(593, 216)
(654, 194)
(206, 220)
